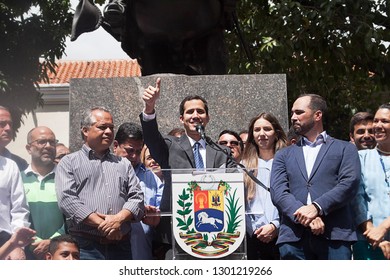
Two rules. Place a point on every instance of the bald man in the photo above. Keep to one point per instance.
(38, 180)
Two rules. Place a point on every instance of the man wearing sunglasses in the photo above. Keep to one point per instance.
(231, 139)
(38, 179)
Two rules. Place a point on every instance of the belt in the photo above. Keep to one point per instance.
(100, 239)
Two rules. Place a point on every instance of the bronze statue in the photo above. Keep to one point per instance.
(165, 36)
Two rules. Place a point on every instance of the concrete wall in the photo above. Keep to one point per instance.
(233, 100)
(54, 114)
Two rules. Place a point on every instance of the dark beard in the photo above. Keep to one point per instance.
(303, 129)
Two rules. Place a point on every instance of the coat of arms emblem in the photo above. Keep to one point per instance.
(208, 213)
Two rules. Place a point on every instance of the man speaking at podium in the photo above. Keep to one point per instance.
(189, 151)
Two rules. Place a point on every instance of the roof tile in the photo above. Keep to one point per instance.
(67, 70)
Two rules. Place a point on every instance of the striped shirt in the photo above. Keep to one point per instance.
(86, 184)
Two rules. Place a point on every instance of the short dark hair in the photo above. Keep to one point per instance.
(291, 134)
(384, 106)
(193, 97)
(129, 130)
(235, 134)
(360, 117)
(55, 242)
(317, 102)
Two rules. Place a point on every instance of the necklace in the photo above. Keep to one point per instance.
(382, 152)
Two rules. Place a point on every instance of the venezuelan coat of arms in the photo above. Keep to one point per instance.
(208, 213)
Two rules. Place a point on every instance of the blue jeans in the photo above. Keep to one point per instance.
(313, 247)
(92, 250)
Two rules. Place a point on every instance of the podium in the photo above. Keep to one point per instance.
(207, 217)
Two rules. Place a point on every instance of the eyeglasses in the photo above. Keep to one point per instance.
(4, 124)
(232, 143)
(43, 142)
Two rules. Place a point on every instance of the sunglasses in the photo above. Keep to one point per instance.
(132, 151)
(232, 143)
(4, 124)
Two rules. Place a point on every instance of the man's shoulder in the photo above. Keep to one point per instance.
(8, 165)
(287, 150)
(342, 143)
(7, 161)
(20, 162)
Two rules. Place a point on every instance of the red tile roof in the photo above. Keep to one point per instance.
(93, 69)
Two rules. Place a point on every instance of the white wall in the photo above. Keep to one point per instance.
(54, 116)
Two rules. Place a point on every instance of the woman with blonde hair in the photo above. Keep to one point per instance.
(265, 138)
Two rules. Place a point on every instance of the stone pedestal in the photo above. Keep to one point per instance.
(233, 100)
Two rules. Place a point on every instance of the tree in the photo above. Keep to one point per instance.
(333, 48)
(32, 36)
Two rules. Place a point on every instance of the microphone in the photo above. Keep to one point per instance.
(200, 130)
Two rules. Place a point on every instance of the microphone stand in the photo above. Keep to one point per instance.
(249, 173)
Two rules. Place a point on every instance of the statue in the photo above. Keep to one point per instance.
(165, 36)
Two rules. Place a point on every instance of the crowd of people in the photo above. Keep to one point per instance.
(310, 196)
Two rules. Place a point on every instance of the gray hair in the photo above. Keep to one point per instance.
(87, 119)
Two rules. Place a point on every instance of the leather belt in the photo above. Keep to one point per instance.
(100, 239)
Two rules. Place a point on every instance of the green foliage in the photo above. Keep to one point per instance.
(332, 48)
(184, 223)
(232, 213)
(32, 36)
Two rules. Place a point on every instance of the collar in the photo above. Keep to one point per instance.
(91, 153)
(201, 141)
(29, 171)
(320, 139)
(139, 166)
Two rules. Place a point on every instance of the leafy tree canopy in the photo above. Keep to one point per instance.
(332, 48)
(32, 36)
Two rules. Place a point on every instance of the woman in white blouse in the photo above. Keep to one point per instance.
(265, 138)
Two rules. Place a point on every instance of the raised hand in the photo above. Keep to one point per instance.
(150, 96)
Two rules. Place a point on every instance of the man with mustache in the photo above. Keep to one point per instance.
(38, 179)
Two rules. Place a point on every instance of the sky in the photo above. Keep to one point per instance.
(93, 45)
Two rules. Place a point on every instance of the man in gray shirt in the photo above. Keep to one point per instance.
(98, 192)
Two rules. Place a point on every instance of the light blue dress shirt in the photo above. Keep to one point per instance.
(141, 236)
(373, 198)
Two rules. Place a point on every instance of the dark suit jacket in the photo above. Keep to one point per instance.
(332, 184)
(176, 153)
